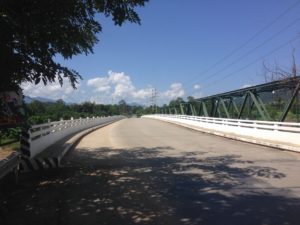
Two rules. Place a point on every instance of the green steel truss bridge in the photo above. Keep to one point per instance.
(274, 101)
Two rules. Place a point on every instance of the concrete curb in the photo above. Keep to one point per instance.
(77, 137)
(54, 161)
(261, 142)
(10, 164)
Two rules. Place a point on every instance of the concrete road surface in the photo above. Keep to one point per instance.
(143, 171)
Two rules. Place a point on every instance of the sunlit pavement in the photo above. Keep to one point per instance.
(142, 171)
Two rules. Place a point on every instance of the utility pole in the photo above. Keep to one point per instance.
(153, 100)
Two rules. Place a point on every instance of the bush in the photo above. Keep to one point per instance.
(9, 134)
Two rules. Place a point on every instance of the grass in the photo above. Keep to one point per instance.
(10, 145)
(5, 141)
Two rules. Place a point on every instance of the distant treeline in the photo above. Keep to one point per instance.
(40, 112)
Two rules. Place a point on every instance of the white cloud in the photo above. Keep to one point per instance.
(143, 93)
(121, 87)
(176, 90)
(197, 86)
(119, 78)
(247, 85)
(51, 90)
(108, 89)
(101, 84)
(123, 84)
(197, 91)
(119, 82)
(117, 86)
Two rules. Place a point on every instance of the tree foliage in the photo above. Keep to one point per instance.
(176, 102)
(33, 33)
(41, 112)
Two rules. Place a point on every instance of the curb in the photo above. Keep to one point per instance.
(246, 139)
(77, 139)
(39, 163)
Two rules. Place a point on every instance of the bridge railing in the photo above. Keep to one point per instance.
(255, 124)
(284, 135)
(41, 136)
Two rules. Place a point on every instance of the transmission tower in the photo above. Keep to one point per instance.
(153, 99)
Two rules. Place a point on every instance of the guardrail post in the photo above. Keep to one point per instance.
(34, 140)
(25, 141)
(276, 127)
(279, 135)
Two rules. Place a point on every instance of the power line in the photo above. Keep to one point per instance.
(248, 41)
(255, 48)
(253, 62)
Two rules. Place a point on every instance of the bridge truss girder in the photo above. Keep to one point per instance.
(257, 103)
(248, 103)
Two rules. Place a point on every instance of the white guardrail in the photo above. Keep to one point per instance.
(41, 136)
(284, 135)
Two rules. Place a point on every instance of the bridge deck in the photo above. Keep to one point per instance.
(142, 171)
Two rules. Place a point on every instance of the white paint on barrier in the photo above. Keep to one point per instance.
(43, 135)
(283, 135)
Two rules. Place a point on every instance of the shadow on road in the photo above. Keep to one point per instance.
(151, 186)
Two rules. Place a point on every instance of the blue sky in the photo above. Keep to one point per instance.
(174, 48)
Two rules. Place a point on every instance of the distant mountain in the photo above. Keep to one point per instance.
(28, 99)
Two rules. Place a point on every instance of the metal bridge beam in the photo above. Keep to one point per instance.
(224, 107)
(290, 103)
(192, 108)
(182, 111)
(243, 105)
(259, 107)
(204, 109)
(243, 102)
(215, 107)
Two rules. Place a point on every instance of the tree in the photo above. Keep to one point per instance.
(176, 102)
(33, 33)
(123, 106)
(36, 107)
(88, 107)
(191, 99)
(276, 72)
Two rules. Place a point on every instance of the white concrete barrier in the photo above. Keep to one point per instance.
(282, 135)
(41, 136)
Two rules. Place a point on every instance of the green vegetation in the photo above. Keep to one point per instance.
(11, 146)
(40, 112)
(9, 138)
(34, 33)
(274, 106)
